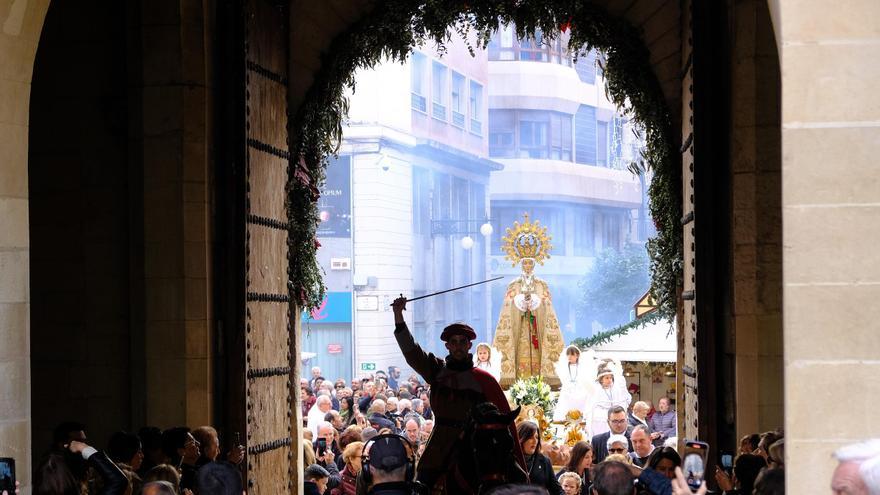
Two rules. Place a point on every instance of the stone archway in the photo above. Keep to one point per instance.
(21, 23)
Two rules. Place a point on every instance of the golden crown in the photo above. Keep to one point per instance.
(527, 240)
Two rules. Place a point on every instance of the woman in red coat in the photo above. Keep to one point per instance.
(351, 456)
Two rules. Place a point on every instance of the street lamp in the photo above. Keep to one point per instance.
(467, 242)
(486, 229)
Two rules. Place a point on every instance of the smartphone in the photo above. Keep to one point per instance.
(322, 446)
(694, 462)
(726, 462)
(7, 474)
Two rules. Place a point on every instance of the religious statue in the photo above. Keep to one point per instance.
(528, 333)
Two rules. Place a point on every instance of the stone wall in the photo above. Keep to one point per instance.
(831, 229)
(755, 156)
(20, 24)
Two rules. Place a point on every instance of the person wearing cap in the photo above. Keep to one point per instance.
(387, 457)
(456, 387)
(315, 478)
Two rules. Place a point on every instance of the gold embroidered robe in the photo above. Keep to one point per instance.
(512, 336)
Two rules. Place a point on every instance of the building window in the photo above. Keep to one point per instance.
(418, 73)
(503, 46)
(502, 126)
(530, 134)
(458, 99)
(584, 237)
(476, 107)
(438, 108)
(601, 143)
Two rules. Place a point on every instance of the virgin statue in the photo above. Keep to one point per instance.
(528, 333)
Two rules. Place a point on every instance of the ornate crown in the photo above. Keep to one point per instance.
(527, 240)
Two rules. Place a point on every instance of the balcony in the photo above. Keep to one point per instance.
(438, 111)
(419, 103)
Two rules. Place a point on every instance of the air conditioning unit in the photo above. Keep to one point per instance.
(340, 263)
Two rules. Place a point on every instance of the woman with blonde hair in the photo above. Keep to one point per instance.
(352, 457)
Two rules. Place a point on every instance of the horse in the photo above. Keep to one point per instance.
(484, 457)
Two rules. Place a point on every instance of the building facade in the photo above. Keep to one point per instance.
(565, 150)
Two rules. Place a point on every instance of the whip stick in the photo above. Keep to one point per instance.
(455, 288)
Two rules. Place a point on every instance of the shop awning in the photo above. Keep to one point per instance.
(653, 342)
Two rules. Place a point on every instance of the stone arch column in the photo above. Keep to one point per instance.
(21, 22)
(831, 228)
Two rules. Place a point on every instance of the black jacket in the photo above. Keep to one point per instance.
(393, 488)
(311, 488)
(115, 483)
(600, 445)
(541, 473)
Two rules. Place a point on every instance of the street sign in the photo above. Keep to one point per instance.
(368, 366)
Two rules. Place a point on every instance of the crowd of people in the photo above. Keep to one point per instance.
(176, 461)
(639, 450)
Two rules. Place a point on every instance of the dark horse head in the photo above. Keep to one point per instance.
(486, 452)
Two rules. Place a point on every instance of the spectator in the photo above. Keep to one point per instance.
(539, 468)
(316, 478)
(158, 488)
(858, 471)
(517, 490)
(308, 400)
(617, 423)
(151, 441)
(412, 429)
(391, 406)
(749, 443)
(316, 373)
(664, 422)
(404, 407)
(388, 459)
(641, 443)
(125, 450)
(427, 428)
(770, 482)
(768, 438)
(65, 432)
(664, 460)
(613, 478)
(776, 457)
(346, 410)
(327, 389)
(393, 376)
(427, 412)
(335, 419)
(54, 475)
(745, 471)
(351, 456)
(339, 384)
(418, 407)
(219, 478)
(579, 463)
(368, 433)
(183, 451)
(639, 414)
(330, 456)
(570, 483)
(209, 440)
(369, 390)
(163, 472)
(316, 414)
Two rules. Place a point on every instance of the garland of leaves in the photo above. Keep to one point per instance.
(395, 27)
(608, 335)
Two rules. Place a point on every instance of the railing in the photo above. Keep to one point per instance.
(438, 111)
(457, 118)
(476, 127)
(419, 103)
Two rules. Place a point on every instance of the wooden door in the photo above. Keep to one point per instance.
(270, 398)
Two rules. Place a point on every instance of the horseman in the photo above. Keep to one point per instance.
(456, 387)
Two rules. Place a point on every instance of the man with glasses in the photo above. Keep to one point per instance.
(456, 386)
(618, 423)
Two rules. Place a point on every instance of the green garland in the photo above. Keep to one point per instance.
(394, 27)
(608, 335)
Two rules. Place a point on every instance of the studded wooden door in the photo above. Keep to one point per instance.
(268, 353)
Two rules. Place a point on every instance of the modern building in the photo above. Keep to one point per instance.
(416, 149)
(564, 149)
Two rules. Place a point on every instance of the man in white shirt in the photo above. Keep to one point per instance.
(316, 414)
